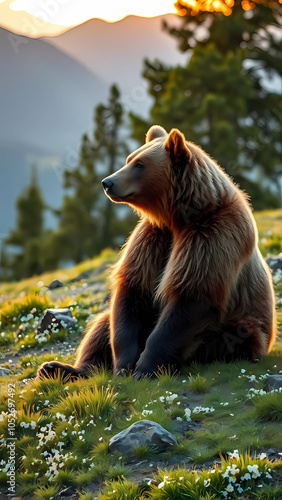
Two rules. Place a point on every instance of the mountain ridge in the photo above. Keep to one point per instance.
(46, 101)
(50, 87)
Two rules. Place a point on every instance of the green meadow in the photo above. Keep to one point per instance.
(229, 430)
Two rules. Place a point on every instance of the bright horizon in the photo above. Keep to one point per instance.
(42, 18)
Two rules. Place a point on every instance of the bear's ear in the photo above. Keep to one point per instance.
(175, 145)
(154, 132)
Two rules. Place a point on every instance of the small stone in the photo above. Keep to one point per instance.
(186, 394)
(55, 284)
(270, 452)
(180, 427)
(67, 492)
(275, 263)
(106, 299)
(62, 316)
(195, 425)
(4, 372)
(143, 433)
(273, 382)
(81, 276)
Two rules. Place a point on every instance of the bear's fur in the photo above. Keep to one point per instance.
(191, 283)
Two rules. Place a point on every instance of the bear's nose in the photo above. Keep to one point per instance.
(107, 184)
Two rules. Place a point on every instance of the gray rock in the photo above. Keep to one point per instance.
(180, 427)
(107, 298)
(273, 382)
(82, 276)
(4, 372)
(62, 317)
(195, 425)
(142, 433)
(67, 492)
(55, 284)
(275, 263)
(271, 452)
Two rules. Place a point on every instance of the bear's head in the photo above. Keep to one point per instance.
(167, 179)
(149, 180)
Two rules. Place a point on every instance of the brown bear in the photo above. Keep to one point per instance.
(191, 283)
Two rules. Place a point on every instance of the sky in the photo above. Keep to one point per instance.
(42, 17)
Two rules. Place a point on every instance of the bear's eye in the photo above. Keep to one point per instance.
(139, 165)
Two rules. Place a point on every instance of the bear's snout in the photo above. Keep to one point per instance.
(107, 184)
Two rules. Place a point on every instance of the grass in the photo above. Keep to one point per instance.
(269, 407)
(76, 424)
(235, 475)
(142, 451)
(199, 384)
(93, 401)
(269, 226)
(63, 430)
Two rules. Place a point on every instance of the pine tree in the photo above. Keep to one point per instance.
(77, 237)
(110, 149)
(27, 237)
(88, 221)
(220, 99)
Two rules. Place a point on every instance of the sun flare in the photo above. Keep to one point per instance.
(36, 18)
(72, 12)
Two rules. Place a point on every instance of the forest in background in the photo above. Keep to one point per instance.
(223, 99)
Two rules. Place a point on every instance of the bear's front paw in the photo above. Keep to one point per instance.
(54, 370)
(139, 373)
(145, 367)
(47, 370)
(122, 372)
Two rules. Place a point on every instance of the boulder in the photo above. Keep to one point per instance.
(61, 317)
(273, 382)
(142, 433)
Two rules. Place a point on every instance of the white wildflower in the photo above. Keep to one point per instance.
(171, 398)
(187, 412)
(246, 477)
(229, 488)
(147, 412)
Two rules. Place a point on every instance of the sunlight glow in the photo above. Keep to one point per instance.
(73, 12)
(36, 18)
(224, 6)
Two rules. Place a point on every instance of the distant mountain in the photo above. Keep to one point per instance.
(49, 88)
(115, 51)
(46, 96)
(46, 102)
